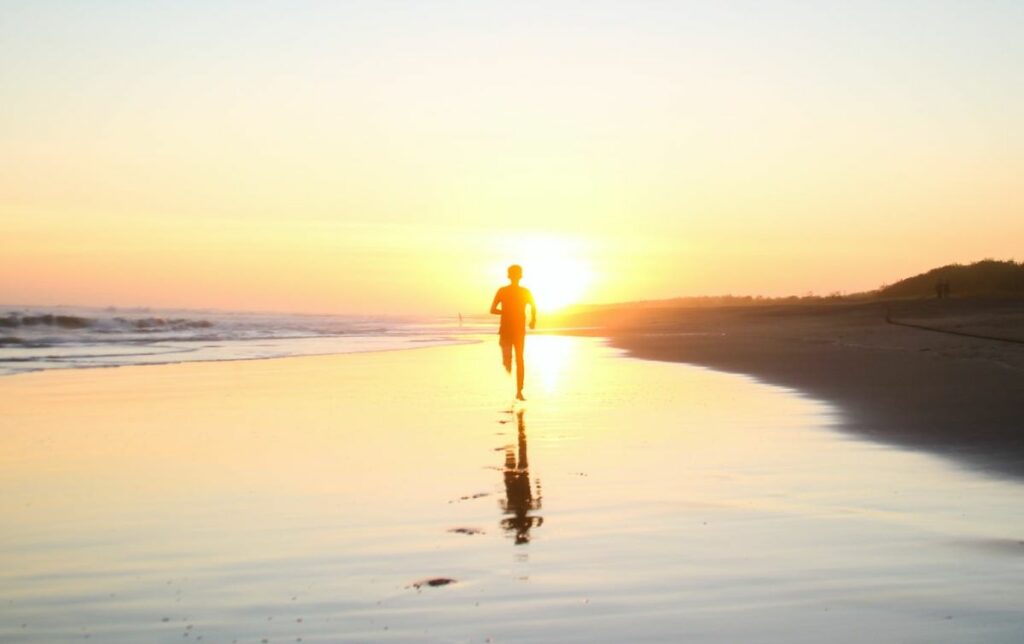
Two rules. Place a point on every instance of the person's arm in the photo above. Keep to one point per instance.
(494, 303)
(533, 310)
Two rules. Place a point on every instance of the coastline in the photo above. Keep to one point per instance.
(943, 376)
(950, 393)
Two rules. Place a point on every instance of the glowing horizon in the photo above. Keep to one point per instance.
(395, 158)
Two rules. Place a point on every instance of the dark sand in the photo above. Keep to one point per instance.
(957, 395)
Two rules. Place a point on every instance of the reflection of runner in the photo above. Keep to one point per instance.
(519, 500)
(513, 300)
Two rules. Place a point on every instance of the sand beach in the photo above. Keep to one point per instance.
(942, 375)
(403, 496)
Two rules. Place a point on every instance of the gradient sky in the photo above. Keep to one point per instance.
(394, 157)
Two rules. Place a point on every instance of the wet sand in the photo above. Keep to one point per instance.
(401, 496)
(959, 393)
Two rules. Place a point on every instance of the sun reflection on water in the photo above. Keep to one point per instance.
(330, 485)
(547, 358)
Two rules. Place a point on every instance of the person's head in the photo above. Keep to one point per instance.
(515, 273)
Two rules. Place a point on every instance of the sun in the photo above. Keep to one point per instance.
(555, 270)
(556, 282)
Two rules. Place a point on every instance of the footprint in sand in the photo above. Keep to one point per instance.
(432, 582)
(468, 531)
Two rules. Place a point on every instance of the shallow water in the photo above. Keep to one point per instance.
(628, 500)
(34, 339)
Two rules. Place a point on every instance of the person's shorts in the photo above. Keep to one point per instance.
(510, 338)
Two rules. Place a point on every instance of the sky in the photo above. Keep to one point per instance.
(395, 157)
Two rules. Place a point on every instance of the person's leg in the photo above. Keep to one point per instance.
(506, 354)
(520, 367)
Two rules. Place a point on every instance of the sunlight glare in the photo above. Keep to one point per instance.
(554, 269)
(548, 356)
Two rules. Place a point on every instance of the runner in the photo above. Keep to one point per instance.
(510, 302)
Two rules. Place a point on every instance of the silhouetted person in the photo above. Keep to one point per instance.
(510, 302)
(519, 499)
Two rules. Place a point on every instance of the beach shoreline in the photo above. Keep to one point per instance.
(943, 376)
(951, 393)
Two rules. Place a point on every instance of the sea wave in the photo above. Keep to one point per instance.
(33, 339)
(74, 322)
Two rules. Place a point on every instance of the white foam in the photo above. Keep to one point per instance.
(33, 339)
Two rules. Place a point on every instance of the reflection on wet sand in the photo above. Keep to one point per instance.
(519, 497)
(306, 498)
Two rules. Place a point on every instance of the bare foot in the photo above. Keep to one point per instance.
(519, 396)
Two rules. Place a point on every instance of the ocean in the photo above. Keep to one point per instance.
(37, 338)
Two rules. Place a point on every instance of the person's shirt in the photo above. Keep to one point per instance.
(513, 300)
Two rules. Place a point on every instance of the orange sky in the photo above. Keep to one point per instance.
(394, 158)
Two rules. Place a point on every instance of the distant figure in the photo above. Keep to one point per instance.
(945, 288)
(460, 320)
(512, 300)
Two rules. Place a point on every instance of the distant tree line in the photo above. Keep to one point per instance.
(987, 278)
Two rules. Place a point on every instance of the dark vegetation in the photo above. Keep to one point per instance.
(987, 278)
(985, 283)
